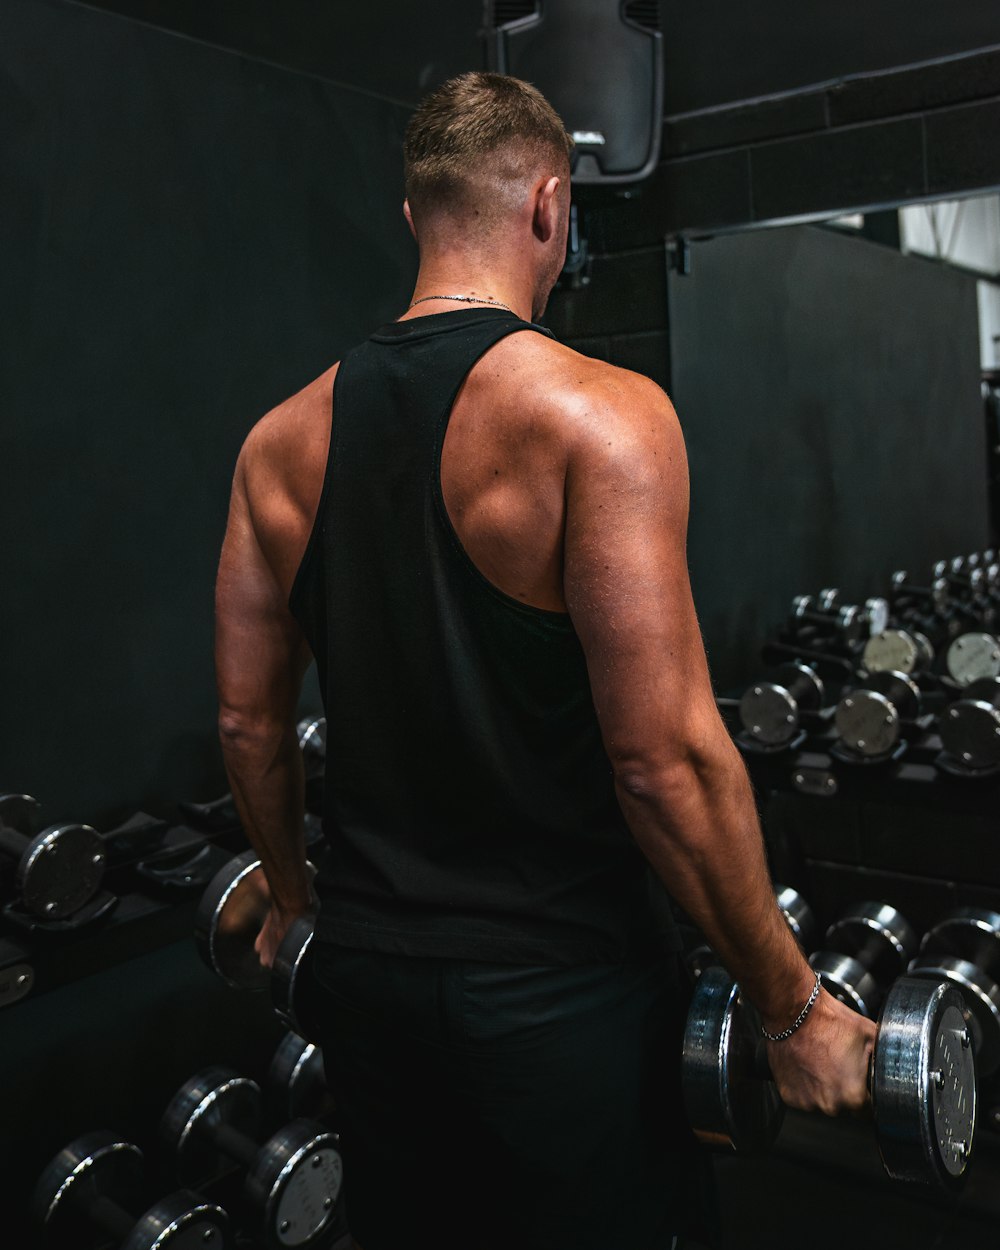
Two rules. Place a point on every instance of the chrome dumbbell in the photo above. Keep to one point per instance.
(963, 947)
(864, 951)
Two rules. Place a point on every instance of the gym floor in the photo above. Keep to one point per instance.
(823, 1185)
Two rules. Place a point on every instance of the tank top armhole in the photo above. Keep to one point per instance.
(308, 555)
(547, 615)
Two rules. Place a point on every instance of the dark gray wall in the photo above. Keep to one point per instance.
(829, 393)
(714, 52)
(189, 237)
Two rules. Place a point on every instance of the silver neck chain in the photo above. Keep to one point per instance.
(462, 299)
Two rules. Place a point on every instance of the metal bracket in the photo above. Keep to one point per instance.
(815, 781)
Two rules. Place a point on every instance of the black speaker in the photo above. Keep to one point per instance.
(600, 63)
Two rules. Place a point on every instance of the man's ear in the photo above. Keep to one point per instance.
(409, 217)
(546, 215)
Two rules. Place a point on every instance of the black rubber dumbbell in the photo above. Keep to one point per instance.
(970, 727)
(864, 951)
(293, 1178)
(963, 947)
(922, 1077)
(872, 717)
(296, 1082)
(772, 710)
(88, 1192)
(58, 870)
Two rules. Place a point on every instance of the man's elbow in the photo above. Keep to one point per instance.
(659, 778)
(241, 733)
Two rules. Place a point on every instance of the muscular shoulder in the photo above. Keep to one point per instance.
(287, 447)
(594, 409)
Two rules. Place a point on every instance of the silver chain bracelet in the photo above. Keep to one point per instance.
(799, 1020)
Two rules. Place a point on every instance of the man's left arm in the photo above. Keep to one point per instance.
(260, 657)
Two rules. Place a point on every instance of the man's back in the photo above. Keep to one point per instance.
(469, 804)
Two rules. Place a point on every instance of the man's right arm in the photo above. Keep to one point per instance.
(681, 783)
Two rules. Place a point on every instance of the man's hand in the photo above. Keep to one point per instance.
(823, 1066)
(272, 931)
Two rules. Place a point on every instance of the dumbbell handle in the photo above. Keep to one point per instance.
(12, 842)
(109, 1216)
(761, 1064)
(236, 1145)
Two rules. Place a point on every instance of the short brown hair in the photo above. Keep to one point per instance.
(474, 139)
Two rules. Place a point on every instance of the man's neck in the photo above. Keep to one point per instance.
(478, 283)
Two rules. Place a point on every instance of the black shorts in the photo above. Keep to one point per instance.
(486, 1106)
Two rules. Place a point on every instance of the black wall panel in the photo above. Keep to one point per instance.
(722, 51)
(829, 393)
(189, 237)
(715, 52)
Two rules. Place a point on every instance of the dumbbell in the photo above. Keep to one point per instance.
(296, 1081)
(227, 922)
(293, 1178)
(973, 657)
(870, 718)
(865, 950)
(96, 1181)
(906, 595)
(970, 727)
(311, 733)
(59, 869)
(798, 915)
(922, 1077)
(963, 947)
(828, 615)
(899, 651)
(771, 710)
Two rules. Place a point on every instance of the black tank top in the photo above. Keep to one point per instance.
(469, 804)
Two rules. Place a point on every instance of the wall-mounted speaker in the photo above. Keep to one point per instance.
(600, 63)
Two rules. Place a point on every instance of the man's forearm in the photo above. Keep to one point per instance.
(266, 774)
(699, 829)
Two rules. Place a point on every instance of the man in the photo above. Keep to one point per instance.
(480, 536)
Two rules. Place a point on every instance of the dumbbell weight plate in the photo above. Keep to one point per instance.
(99, 1168)
(877, 935)
(973, 657)
(769, 713)
(228, 920)
(923, 1083)
(91, 1167)
(848, 981)
(798, 915)
(293, 985)
(895, 650)
(867, 722)
(181, 1221)
(970, 933)
(981, 995)
(213, 1103)
(296, 1082)
(295, 1183)
(61, 871)
(970, 731)
(726, 1100)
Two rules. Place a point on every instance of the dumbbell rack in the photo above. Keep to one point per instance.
(102, 1019)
